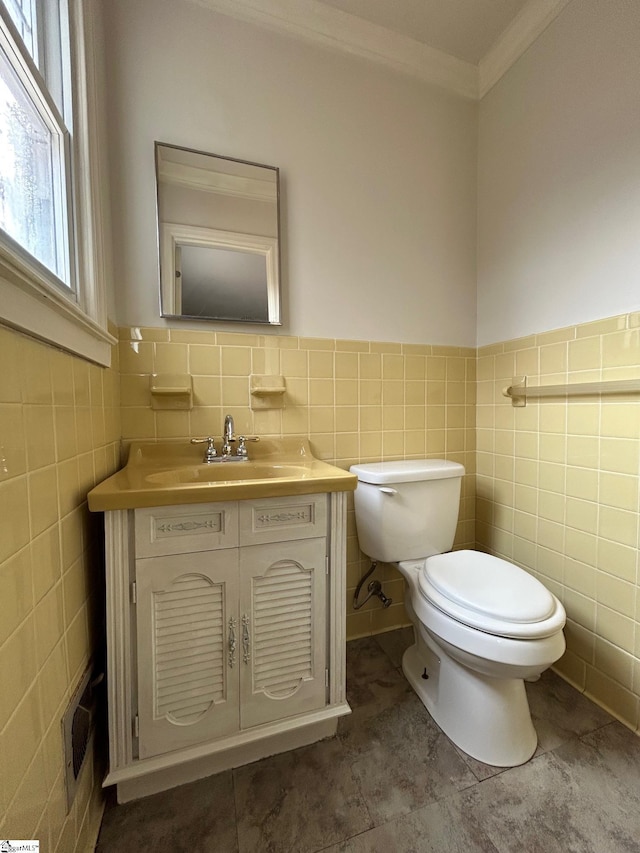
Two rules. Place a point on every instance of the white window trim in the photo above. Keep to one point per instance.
(27, 301)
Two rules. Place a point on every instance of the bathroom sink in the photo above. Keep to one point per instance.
(173, 472)
(225, 472)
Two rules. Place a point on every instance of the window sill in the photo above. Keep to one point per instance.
(28, 304)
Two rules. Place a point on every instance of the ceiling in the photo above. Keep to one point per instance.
(465, 29)
(461, 45)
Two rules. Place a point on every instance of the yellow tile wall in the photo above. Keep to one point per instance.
(557, 493)
(59, 435)
(354, 400)
(556, 490)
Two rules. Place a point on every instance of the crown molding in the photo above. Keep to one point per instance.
(525, 28)
(324, 25)
(219, 183)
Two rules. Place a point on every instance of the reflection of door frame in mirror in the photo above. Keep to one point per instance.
(174, 235)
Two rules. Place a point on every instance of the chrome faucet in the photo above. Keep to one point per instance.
(241, 454)
(227, 436)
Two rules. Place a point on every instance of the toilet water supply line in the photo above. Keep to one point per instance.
(375, 588)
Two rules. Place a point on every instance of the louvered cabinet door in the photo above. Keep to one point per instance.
(188, 688)
(283, 629)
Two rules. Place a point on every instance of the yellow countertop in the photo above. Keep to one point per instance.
(164, 473)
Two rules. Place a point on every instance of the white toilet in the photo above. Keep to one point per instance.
(482, 625)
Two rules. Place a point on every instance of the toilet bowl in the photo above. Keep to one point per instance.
(471, 678)
(481, 624)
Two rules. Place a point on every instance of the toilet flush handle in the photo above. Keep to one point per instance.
(386, 490)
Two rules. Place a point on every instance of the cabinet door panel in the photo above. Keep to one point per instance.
(282, 519)
(283, 612)
(187, 691)
(162, 530)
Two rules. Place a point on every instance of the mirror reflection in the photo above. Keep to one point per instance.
(218, 237)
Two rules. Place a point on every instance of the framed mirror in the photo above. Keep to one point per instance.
(218, 237)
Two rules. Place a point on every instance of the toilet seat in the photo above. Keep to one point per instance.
(490, 595)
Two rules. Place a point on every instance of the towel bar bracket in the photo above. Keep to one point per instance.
(517, 391)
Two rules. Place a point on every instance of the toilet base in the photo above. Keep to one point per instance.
(486, 717)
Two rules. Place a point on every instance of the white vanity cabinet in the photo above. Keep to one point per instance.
(226, 634)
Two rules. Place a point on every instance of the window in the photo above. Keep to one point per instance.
(51, 260)
(35, 174)
(24, 15)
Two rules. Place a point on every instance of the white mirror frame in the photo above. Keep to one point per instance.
(174, 235)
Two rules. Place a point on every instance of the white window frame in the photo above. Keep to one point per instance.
(29, 300)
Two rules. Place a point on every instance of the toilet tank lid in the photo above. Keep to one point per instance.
(407, 471)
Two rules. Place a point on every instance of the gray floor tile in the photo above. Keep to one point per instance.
(403, 760)
(619, 751)
(606, 766)
(373, 682)
(479, 769)
(548, 806)
(560, 712)
(194, 818)
(438, 828)
(299, 801)
(395, 643)
(392, 782)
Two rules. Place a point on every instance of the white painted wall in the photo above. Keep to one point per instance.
(559, 177)
(378, 170)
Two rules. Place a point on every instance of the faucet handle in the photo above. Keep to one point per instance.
(242, 440)
(210, 452)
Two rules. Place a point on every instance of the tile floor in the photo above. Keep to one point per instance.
(392, 782)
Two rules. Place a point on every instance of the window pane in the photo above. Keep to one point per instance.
(23, 15)
(31, 201)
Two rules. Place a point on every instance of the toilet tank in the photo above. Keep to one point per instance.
(407, 510)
